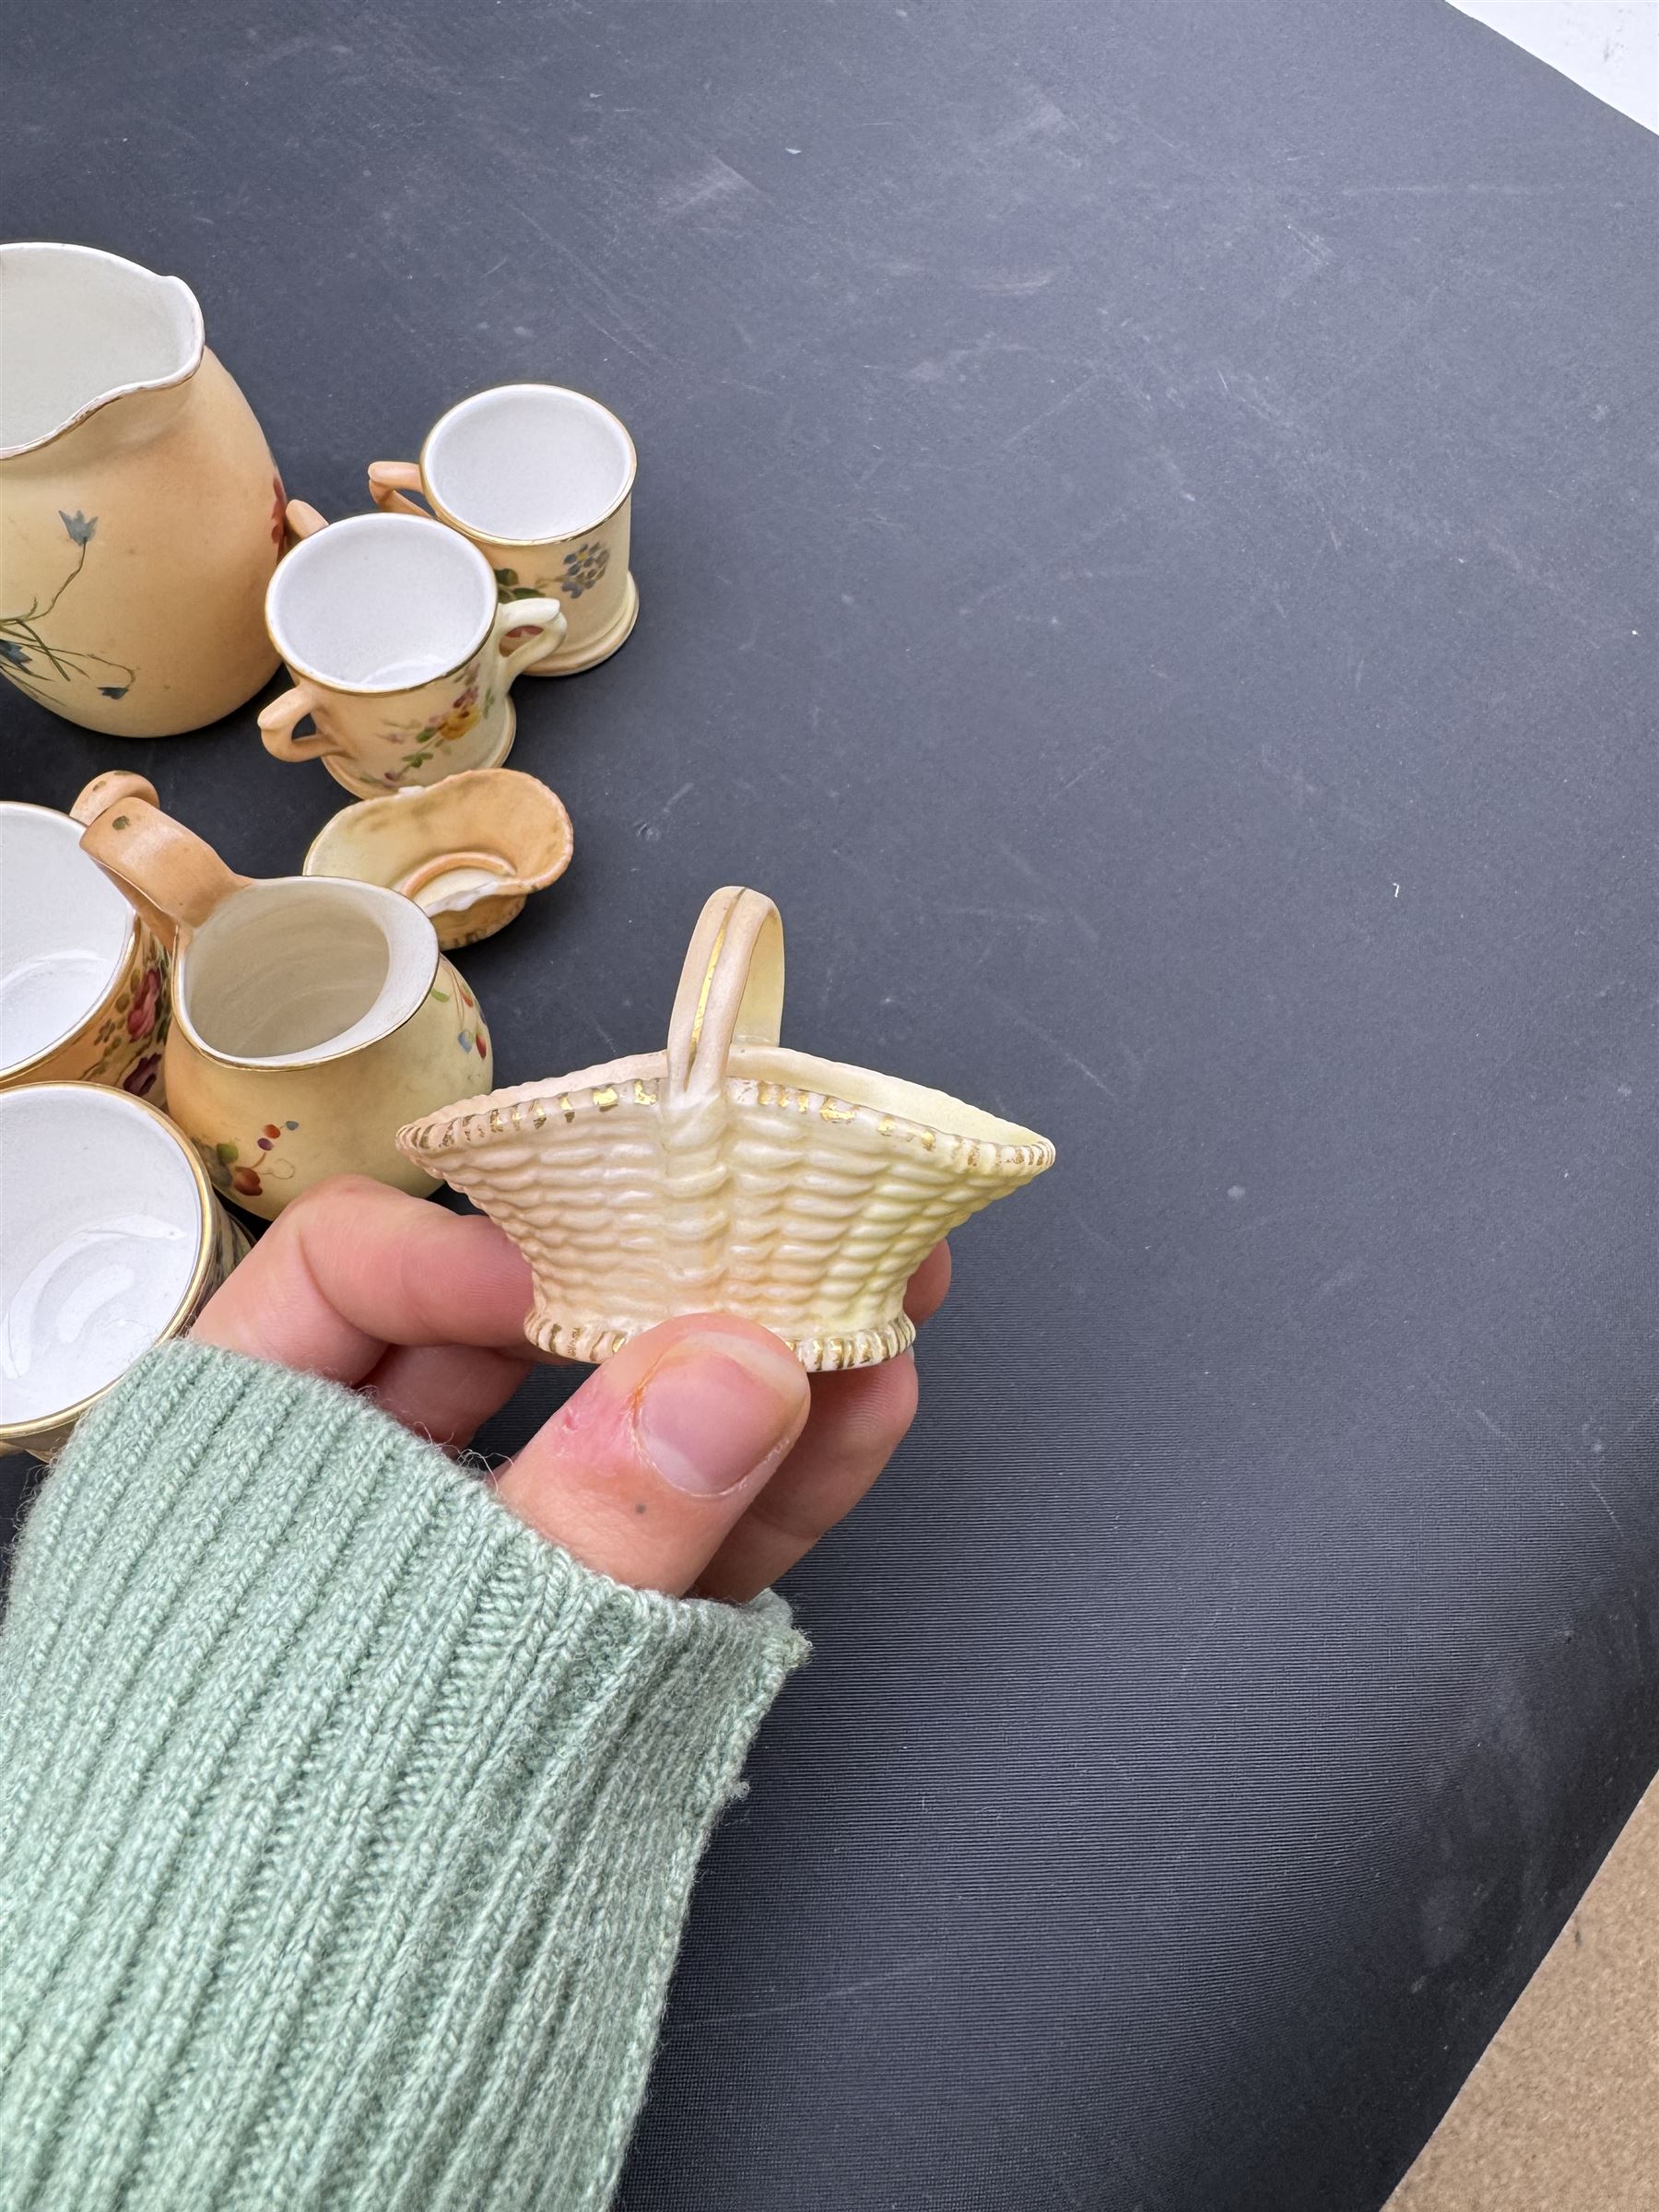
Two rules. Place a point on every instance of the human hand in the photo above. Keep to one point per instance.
(699, 1458)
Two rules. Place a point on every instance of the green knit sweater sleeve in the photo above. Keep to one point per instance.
(347, 1827)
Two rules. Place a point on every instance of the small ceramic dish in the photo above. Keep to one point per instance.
(469, 851)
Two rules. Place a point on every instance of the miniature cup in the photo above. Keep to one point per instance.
(541, 480)
(309, 1015)
(113, 1243)
(403, 657)
(83, 994)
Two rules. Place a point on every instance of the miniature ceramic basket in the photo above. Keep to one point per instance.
(725, 1174)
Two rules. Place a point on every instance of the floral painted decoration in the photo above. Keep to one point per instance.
(35, 665)
(246, 1178)
(582, 568)
(141, 1014)
(462, 716)
(471, 1036)
(128, 1040)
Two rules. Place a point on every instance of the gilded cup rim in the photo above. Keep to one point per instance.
(473, 531)
(17, 1435)
(303, 670)
(15, 1073)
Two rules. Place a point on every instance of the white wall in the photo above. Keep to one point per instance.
(1611, 47)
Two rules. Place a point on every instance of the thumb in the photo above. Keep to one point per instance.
(645, 1470)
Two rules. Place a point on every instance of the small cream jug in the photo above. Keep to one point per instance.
(140, 511)
(310, 1016)
(400, 652)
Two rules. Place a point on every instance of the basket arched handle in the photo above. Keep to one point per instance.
(731, 990)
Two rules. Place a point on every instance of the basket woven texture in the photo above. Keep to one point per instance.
(723, 1174)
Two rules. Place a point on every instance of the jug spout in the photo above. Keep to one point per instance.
(79, 328)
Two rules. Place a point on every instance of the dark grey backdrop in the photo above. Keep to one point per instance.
(1144, 540)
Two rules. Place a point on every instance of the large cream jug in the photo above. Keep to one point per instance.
(140, 511)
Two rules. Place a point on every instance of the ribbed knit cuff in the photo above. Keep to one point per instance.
(345, 1825)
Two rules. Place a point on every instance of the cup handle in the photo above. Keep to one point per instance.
(300, 519)
(166, 871)
(544, 618)
(276, 727)
(388, 480)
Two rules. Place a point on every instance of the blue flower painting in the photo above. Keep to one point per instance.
(37, 665)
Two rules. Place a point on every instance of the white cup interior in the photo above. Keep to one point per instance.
(63, 933)
(528, 462)
(103, 1230)
(77, 325)
(380, 603)
(301, 968)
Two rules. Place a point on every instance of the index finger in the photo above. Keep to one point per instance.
(353, 1266)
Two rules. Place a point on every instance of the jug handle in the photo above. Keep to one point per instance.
(388, 480)
(103, 791)
(276, 727)
(166, 871)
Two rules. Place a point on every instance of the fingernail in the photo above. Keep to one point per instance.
(718, 1410)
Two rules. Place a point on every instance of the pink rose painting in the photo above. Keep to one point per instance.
(146, 999)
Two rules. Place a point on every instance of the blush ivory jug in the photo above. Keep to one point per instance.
(140, 512)
(310, 1016)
